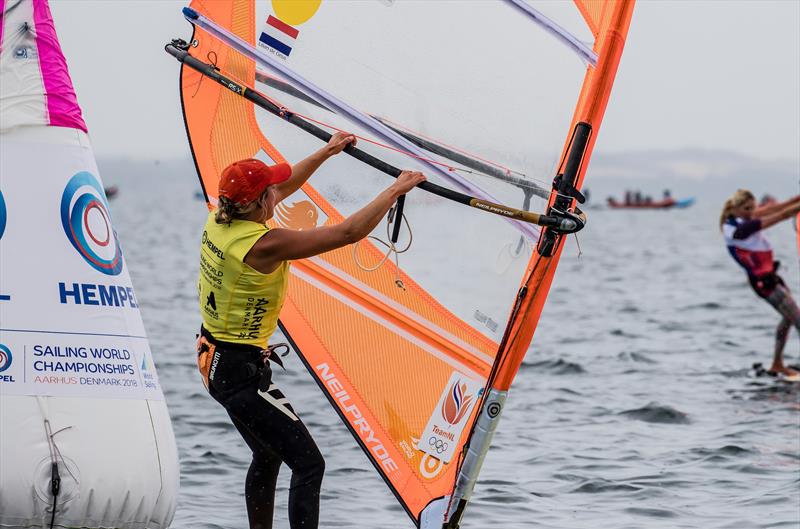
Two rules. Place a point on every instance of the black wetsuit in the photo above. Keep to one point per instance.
(237, 378)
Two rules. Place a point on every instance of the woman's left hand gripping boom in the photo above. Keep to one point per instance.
(302, 170)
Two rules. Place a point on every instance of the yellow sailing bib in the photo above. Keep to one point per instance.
(238, 303)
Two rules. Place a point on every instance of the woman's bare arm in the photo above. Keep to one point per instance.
(280, 245)
(773, 208)
(789, 210)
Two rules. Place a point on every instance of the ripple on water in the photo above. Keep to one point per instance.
(710, 305)
(657, 413)
(636, 357)
(623, 334)
(565, 476)
(650, 512)
(502, 497)
(790, 455)
(603, 485)
(558, 367)
(723, 453)
(750, 468)
(347, 471)
(736, 373)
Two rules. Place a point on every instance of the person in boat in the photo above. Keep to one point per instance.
(244, 269)
(742, 225)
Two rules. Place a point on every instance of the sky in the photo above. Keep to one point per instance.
(709, 75)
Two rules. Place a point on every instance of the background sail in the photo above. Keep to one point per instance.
(78, 388)
(399, 361)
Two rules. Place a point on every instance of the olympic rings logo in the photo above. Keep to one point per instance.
(87, 224)
(437, 444)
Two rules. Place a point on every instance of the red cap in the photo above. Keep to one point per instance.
(244, 181)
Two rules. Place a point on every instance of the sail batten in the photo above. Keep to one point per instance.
(398, 309)
(413, 330)
(581, 49)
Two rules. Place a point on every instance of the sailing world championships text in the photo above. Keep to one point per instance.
(78, 365)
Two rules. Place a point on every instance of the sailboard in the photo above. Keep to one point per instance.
(498, 103)
(85, 435)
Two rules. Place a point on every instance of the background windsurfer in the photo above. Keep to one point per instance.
(742, 224)
(244, 269)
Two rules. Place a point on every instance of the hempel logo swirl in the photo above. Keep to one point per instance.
(87, 224)
(2, 215)
(5, 358)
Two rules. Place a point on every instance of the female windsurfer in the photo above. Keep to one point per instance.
(244, 269)
(742, 224)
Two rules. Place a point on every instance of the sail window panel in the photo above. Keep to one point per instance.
(480, 78)
(440, 257)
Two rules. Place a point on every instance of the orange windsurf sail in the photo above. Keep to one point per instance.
(415, 351)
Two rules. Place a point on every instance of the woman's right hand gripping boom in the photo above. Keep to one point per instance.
(281, 244)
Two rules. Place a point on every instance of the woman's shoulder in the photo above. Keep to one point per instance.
(730, 224)
(738, 222)
(733, 220)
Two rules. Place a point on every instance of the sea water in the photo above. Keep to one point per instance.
(633, 408)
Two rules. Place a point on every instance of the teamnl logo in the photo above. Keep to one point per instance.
(441, 435)
(87, 223)
(456, 403)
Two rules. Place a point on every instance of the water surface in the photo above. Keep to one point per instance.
(633, 408)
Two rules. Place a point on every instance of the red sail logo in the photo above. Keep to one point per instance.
(456, 403)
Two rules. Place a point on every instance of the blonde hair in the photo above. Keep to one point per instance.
(735, 201)
(228, 211)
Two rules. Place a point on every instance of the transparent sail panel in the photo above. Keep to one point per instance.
(486, 85)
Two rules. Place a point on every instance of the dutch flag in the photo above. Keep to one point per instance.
(279, 35)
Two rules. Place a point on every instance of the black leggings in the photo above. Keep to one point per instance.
(267, 422)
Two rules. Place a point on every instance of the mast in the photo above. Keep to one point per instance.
(541, 268)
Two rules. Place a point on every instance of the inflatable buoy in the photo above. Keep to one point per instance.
(85, 436)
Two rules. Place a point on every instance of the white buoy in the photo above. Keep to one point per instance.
(85, 436)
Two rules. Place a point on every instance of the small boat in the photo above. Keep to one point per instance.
(111, 191)
(653, 204)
